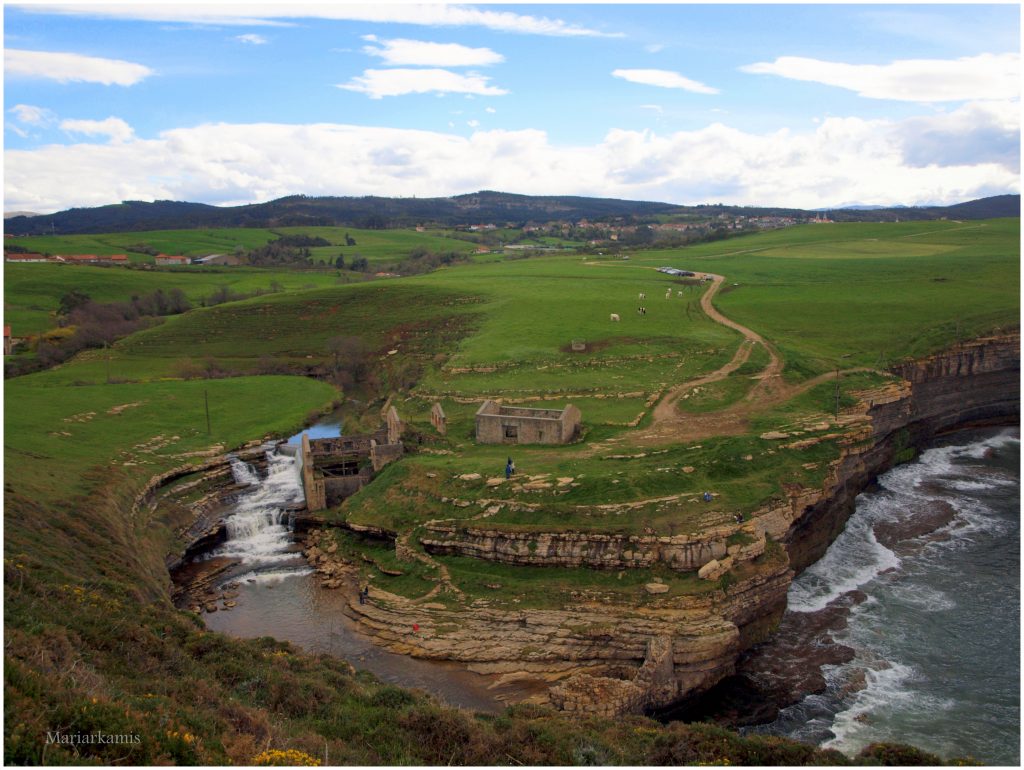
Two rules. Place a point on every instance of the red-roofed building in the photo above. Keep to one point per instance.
(79, 259)
(116, 259)
(26, 258)
(8, 342)
(164, 259)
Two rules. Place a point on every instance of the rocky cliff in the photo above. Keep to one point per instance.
(612, 659)
(973, 383)
(606, 655)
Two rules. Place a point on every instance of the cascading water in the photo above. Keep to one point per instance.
(258, 533)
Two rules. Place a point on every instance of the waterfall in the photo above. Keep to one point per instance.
(258, 526)
(243, 472)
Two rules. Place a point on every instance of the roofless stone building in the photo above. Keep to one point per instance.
(335, 468)
(500, 424)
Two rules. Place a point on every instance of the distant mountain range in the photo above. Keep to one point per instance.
(475, 208)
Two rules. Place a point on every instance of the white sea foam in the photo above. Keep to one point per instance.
(855, 558)
(923, 597)
(888, 690)
(911, 647)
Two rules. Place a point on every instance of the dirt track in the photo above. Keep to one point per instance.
(669, 425)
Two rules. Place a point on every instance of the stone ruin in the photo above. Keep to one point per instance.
(654, 684)
(500, 424)
(438, 419)
(335, 468)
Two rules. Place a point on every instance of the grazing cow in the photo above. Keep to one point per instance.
(615, 316)
(643, 296)
(679, 293)
(668, 293)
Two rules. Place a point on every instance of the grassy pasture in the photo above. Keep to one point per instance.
(32, 292)
(93, 644)
(376, 245)
(864, 294)
(55, 434)
(538, 306)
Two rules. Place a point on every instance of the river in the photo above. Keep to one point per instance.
(274, 593)
(937, 640)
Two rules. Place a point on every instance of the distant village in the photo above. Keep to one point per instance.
(513, 236)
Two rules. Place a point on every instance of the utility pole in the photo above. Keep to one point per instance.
(206, 401)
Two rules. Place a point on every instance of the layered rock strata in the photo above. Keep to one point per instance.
(609, 656)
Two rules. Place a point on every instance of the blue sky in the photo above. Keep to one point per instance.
(802, 105)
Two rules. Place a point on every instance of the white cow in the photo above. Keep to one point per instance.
(668, 294)
(615, 316)
(643, 296)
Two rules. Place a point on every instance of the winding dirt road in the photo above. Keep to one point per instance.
(669, 425)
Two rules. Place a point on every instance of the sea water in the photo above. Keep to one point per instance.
(937, 641)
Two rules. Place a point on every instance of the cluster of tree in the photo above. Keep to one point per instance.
(303, 241)
(280, 253)
(85, 324)
(142, 248)
(358, 263)
(422, 260)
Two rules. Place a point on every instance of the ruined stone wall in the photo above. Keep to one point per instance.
(382, 454)
(531, 426)
(570, 423)
(438, 419)
(313, 488)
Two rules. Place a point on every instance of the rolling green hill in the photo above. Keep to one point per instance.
(93, 642)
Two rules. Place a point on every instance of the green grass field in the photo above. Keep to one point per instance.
(377, 246)
(32, 292)
(92, 640)
(55, 434)
(851, 295)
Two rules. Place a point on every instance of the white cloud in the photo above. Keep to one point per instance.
(988, 76)
(417, 52)
(663, 79)
(977, 132)
(33, 116)
(113, 128)
(654, 47)
(473, 123)
(652, 107)
(428, 14)
(73, 67)
(252, 39)
(841, 160)
(398, 82)
(490, 110)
